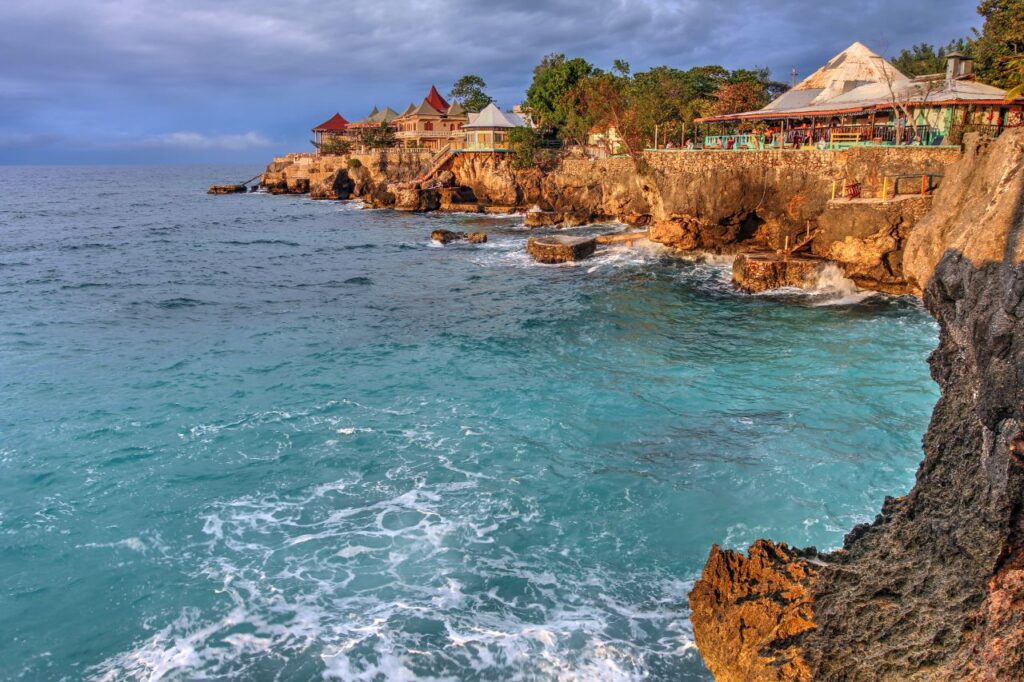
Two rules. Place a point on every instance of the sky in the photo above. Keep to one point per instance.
(236, 81)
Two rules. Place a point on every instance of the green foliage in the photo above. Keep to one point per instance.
(925, 59)
(354, 163)
(380, 137)
(661, 102)
(335, 144)
(999, 49)
(469, 92)
(549, 97)
(525, 144)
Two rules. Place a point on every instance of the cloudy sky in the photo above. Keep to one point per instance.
(142, 81)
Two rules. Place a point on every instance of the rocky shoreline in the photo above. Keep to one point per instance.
(933, 588)
(743, 202)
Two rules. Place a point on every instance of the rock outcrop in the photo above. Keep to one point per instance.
(226, 189)
(560, 248)
(692, 201)
(933, 589)
(756, 272)
(448, 236)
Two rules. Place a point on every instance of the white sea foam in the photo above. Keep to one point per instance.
(337, 577)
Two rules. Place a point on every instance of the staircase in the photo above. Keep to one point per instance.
(437, 162)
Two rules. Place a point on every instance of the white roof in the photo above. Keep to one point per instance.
(857, 78)
(493, 117)
(854, 67)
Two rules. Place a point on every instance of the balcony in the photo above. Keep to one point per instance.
(428, 134)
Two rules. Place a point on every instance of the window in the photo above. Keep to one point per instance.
(428, 125)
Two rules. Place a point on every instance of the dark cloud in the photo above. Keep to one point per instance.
(144, 77)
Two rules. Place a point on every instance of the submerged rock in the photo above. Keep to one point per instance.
(560, 248)
(756, 272)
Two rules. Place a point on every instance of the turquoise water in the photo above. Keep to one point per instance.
(258, 437)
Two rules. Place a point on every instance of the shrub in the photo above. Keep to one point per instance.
(354, 163)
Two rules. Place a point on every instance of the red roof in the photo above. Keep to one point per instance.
(335, 122)
(435, 100)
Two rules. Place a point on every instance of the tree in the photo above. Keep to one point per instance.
(925, 59)
(999, 49)
(548, 98)
(468, 91)
(335, 144)
(380, 137)
(733, 98)
(525, 145)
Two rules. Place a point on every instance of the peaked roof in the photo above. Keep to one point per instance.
(334, 123)
(852, 68)
(408, 110)
(856, 80)
(425, 109)
(456, 110)
(435, 100)
(493, 117)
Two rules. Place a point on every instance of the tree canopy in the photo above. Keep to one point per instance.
(548, 97)
(999, 48)
(924, 58)
(468, 91)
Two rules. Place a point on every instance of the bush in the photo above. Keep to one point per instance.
(334, 144)
(525, 144)
(354, 163)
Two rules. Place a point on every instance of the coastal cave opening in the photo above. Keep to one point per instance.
(749, 227)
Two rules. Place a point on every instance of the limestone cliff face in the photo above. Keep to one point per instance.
(933, 589)
(715, 201)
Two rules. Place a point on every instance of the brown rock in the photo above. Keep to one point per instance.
(765, 271)
(560, 248)
(974, 192)
(747, 612)
(448, 236)
(226, 189)
(557, 218)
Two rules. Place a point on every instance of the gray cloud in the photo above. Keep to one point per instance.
(110, 69)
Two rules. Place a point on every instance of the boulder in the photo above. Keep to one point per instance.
(448, 236)
(411, 198)
(225, 189)
(764, 271)
(560, 248)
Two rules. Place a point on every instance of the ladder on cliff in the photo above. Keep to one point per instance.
(437, 162)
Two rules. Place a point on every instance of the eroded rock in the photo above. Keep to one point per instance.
(449, 236)
(751, 609)
(756, 272)
(226, 189)
(560, 248)
(933, 589)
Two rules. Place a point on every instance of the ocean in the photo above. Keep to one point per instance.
(259, 437)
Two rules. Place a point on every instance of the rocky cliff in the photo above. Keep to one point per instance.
(933, 589)
(716, 201)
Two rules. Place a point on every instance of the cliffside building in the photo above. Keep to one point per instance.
(335, 126)
(434, 124)
(859, 97)
(488, 130)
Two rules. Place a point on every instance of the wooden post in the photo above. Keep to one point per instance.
(924, 185)
(834, 190)
(655, 135)
(785, 246)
